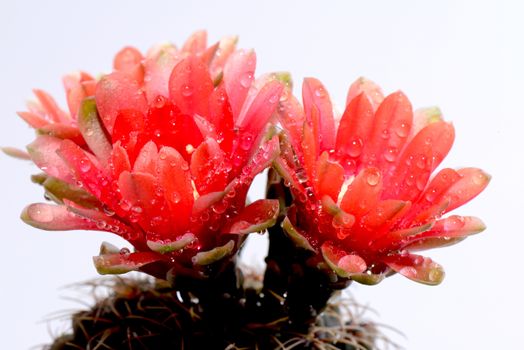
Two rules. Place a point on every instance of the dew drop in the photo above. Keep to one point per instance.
(175, 197)
(43, 214)
(89, 132)
(320, 92)
(273, 99)
(355, 147)
(402, 130)
(373, 177)
(246, 79)
(187, 91)
(391, 154)
(159, 102)
(85, 166)
(421, 162)
(431, 195)
(246, 141)
(125, 252)
(385, 134)
(125, 205)
(108, 211)
(136, 209)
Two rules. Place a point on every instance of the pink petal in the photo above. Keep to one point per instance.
(354, 130)
(420, 157)
(175, 179)
(51, 108)
(363, 193)
(226, 47)
(33, 119)
(238, 75)
(158, 67)
(329, 177)
(116, 92)
(55, 218)
(472, 181)
(256, 217)
(369, 88)
(127, 59)
(417, 268)
(43, 153)
(209, 167)
(63, 131)
(389, 132)
(190, 86)
(196, 43)
(147, 159)
(315, 96)
(76, 87)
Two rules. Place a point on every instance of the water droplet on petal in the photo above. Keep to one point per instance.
(431, 195)
(320, 92)
(175, 197)
(373, 177)
(385, 134)
(355, 147)
(125, 252)
(391, 154)
(246, 79)
(187, 91)
(43, 214)
(85, 166)
(402, 130)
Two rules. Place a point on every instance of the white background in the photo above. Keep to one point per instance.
(465, 56)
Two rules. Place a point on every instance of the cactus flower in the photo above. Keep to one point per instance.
(161, 152)
(365, 196)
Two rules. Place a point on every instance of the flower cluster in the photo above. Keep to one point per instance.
(362, 182)
(163, 150)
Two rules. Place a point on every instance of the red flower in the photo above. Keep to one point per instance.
(364, 195)
(161, 152)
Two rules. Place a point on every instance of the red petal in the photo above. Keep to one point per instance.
(117, 92)
(389, 132)
(363, 193)
(354, 129)
(147, 159)
(226, 47)
(140, 190)
(43, 153)
(87, 173)
(420, 157)
(255, 217)
(221, 116)
(175, 179)
(33, 119)
(417, 268)
(190, 86)
(314, 95)
(50, 107)
(55, 218)
(291, 116)
(119, 161)
(158, 67)
(209, 167)
(369, 88)
(238, 76)
(75, 87)
(63, 131)
(196, 43)
(127, 59)
(256, 113)
(472, 181)
(329, 177)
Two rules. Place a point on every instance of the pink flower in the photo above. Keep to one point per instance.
(364, 196)
(161, 152)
